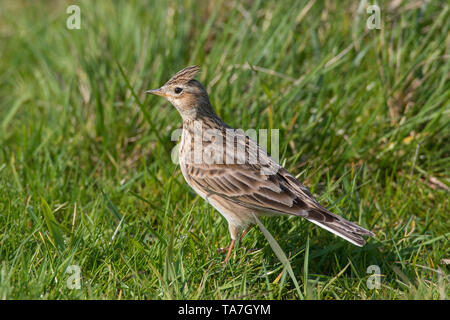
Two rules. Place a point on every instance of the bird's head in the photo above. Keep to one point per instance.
(185, 93)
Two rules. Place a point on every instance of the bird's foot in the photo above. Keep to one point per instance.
(228, 250)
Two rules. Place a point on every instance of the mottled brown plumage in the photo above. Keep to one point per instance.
(233, 173)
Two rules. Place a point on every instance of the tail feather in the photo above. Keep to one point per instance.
(339, 226)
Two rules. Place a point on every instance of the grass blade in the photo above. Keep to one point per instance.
(280, 254)
(141, 106)
(13, 111)
(53, 226)
(111, 206)
(305, 269)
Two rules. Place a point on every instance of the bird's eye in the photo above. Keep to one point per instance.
(178, 90)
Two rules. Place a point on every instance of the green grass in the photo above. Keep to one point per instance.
(86, 176)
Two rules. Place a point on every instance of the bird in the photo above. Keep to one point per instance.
(234, 174)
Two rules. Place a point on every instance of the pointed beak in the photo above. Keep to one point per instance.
(157, 92)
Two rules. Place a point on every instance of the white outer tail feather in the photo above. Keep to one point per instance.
(336, 233)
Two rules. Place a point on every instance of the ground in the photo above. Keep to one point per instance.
(88, 187)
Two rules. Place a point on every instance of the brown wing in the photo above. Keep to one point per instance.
(243, 184)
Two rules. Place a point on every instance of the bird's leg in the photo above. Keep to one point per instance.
(230, 248)
(245, 232)
(222, 250)
(233, 242)
(226, 249)
(234, 232)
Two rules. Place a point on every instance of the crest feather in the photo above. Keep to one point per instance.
(184, 76)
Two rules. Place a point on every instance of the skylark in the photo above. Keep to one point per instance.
(234, 174)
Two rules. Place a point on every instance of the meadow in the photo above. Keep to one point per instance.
(87, 182)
